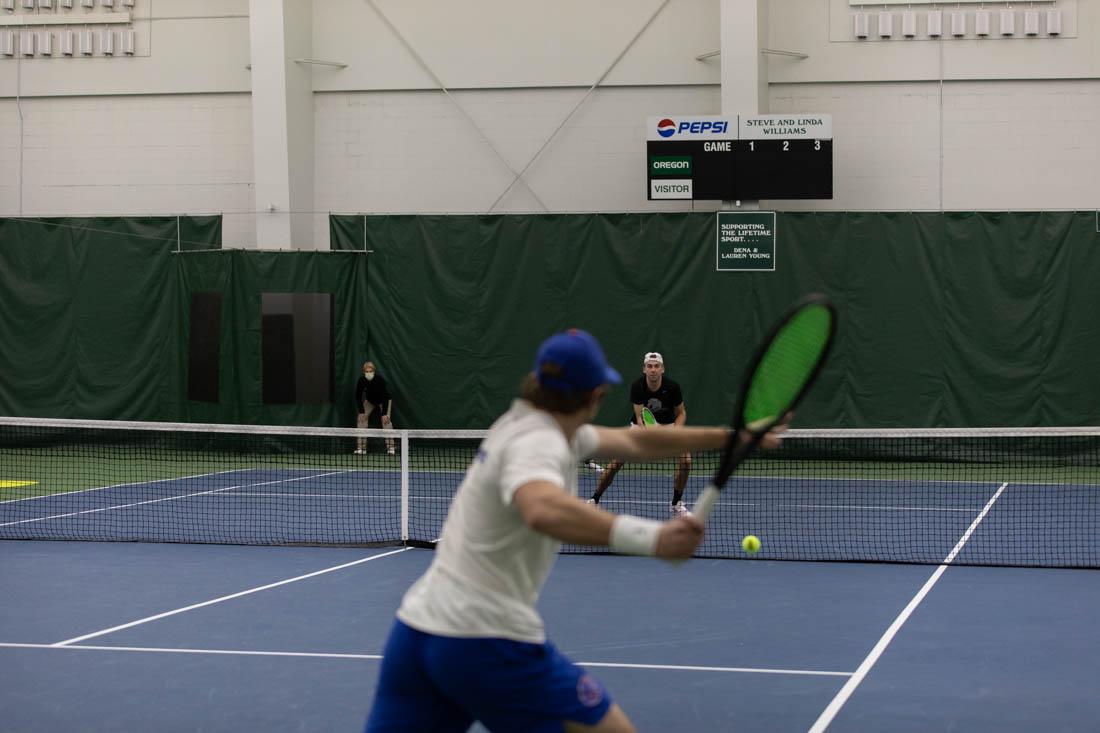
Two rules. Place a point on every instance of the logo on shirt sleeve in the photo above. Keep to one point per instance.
(589, 691)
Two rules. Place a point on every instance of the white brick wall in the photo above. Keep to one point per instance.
(1006, 145)
(131, 155)
(415, 152)
(1022, 145)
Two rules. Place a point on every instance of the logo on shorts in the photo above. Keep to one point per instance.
(589, 691)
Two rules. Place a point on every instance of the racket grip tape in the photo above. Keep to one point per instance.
(705, 505)
(702, 510)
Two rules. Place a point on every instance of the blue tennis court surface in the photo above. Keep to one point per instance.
(133, 636)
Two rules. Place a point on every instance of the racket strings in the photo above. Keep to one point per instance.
(787, 366)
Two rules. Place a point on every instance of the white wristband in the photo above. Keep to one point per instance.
(632, 535)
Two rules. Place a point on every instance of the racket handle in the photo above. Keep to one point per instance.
(705, 505)
(702, 510)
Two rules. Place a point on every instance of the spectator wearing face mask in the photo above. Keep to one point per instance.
(371, 394)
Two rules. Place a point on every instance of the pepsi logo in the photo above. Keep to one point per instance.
(666, 128)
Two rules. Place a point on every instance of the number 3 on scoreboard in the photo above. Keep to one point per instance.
(786, 145)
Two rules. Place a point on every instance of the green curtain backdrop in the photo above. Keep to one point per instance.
(347, 232)
(947, 319)
(88, 321)
(242, 277)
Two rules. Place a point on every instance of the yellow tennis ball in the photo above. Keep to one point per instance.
(751, 544)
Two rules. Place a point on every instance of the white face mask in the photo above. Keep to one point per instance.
(368, 375)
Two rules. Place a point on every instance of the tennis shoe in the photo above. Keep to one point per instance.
(679, 510)
(359, 451)
(594, 466)
(391, 451)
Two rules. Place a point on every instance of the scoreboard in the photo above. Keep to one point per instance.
(740, 158)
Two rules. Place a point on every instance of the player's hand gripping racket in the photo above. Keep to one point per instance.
(647, 417)
(780, 373)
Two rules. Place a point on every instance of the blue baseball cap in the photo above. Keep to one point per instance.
(576, 362)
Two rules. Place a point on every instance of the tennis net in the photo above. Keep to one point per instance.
(979, 497)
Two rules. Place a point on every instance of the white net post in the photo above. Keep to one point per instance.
(404, 485)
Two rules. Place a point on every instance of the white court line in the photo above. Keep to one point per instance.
(854, 681)
(183, 478)
(372, 497)
(873, 508)
(665, 502)
(415, 497)
(211, 602)
(327, 655)
(693, 668)
(976, 483)
(170, 650)
(157, 501)
(232, 491)
(860, 507)
(119, 486)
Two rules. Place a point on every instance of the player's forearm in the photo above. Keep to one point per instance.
(674, 441)
(568, 519)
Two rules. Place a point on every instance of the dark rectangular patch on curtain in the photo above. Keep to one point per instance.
(298, 364)
(204, 347)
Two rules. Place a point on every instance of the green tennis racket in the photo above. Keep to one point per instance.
(780, 374)
(647, 417)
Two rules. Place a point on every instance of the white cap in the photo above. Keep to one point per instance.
(653, 356)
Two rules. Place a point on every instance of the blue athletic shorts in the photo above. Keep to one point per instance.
(440, 683)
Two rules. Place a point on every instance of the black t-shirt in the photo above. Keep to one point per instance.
(661, 403)
(372, 390)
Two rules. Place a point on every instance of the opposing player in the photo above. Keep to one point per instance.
(468, 643)
(665, 400)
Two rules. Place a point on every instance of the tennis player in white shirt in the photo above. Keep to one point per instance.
(468, 643)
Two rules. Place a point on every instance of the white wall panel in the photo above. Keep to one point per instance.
(513, 43)
(1006, 145)
(413, 151)
(159, 133)
(823, 30)
(189, 46)
(131, 155)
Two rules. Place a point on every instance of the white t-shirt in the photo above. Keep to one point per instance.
(490, 566)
